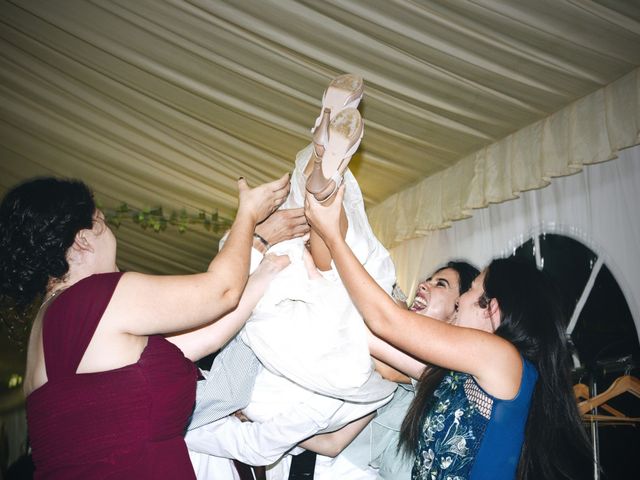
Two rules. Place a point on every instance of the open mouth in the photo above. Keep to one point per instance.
(419, 303)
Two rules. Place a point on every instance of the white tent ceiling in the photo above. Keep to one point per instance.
(166, 103)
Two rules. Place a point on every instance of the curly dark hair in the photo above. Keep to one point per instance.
(39, 220)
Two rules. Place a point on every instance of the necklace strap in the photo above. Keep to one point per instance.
(52, 295)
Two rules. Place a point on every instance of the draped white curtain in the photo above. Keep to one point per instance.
(599, 206)
(590, 130)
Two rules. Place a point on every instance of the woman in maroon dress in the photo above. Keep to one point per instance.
(107, 395)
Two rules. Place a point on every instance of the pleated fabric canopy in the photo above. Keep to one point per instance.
(165, 103)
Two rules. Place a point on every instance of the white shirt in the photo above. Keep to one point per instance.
(263, 443)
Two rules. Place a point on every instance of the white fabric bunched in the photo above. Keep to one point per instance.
(307, 329)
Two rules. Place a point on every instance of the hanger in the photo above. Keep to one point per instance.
(604, 420)
(581, 392)
(620, 385)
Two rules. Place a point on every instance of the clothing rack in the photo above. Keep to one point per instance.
(593, 406)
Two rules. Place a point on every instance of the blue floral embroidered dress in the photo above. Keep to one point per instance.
(468, 434)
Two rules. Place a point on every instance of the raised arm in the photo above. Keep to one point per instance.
(151, 304)
(201, 341)
(392, 363)
(279, 226)
(484, 355)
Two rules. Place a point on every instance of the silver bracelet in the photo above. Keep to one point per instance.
(263, 241)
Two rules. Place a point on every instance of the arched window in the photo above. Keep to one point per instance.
(600, 321)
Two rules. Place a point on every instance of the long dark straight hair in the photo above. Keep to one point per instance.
(432, 374)
(555, 444)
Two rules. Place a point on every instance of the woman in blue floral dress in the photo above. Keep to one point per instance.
(504, 408)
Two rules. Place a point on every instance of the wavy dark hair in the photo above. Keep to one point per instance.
(532, 319)
(432, 374)
(39, 220)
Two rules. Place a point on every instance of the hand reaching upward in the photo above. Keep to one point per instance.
(263, 200)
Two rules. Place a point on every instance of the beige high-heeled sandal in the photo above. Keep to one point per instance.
(334, 143)
(344, 91)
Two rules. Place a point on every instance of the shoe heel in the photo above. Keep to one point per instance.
(321, 134)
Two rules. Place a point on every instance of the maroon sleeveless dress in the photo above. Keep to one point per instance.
(123, 423)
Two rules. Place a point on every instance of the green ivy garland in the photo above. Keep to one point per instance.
(156, 219)
(13, 323)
